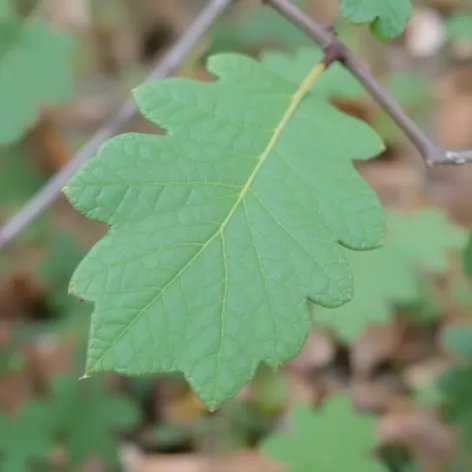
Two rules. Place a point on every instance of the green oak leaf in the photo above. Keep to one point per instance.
(221, 229)
(313, 433)
(34, 71)
(89, 416)
(387, 18)
(389, 276)
(336, 82)
(459, 27)
(27, 438)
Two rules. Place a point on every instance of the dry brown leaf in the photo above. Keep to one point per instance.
(50, 357)
(422, 433)
(376, 345)
(16, 388)
(423, 373)
(378, 395)
(238, 462)
(318, 351)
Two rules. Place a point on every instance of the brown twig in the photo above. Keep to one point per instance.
(336, 51)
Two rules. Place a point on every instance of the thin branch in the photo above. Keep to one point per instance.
(335, 50)
(40, 202)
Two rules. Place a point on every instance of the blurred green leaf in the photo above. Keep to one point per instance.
(170, 434)
(459, 27)
(271, 390)
(424, 310)
(333, 438)
(257, 26)
(62, 256)
(7, 9)
(89, 417)
(414, 93)
(455, 386)
(410, 89)
(387, 18)
(19, 178)
(383, 279)
(461, 294)
(336, 82)
(459, 342)
(468, 258)
(388, 277)
(34, 72)
(26, 438)
(426, 237)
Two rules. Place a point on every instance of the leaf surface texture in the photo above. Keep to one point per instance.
(222, 228)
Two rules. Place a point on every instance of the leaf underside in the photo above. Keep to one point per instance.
(222, 228)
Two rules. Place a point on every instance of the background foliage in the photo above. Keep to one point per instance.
(384, 380)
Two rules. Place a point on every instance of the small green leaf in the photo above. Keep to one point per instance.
(89, 416)
(459, 27)
(223, 227)
(387, 18)
(336, 82)
(26, 438)
(309, 446)
(33, 72)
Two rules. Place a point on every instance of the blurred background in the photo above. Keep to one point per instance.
(402, 351)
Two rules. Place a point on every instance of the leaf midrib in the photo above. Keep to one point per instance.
(295, 101)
